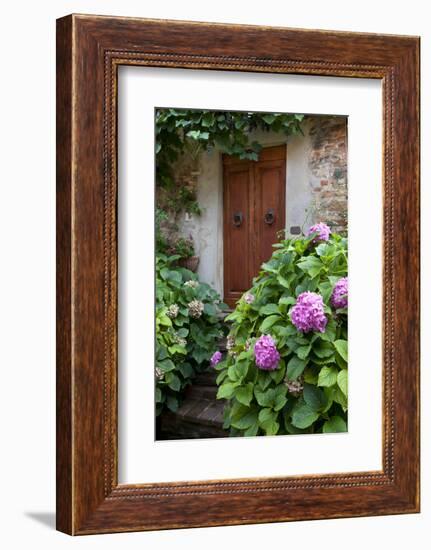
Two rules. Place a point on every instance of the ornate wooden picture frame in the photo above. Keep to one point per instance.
(89, 51)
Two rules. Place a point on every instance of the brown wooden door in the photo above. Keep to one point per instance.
(254, 211)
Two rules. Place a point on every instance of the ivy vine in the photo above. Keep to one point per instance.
(181, 132)
(228, 130)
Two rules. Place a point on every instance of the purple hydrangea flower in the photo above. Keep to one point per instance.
(266, 354)
(323, 231)
(339, 294)
(307, 314)
(215, 359)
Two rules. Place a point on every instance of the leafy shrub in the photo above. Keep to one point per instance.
(286, 368)
(187, 329)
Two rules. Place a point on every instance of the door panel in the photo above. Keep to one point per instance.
(254, 212)
(237, 242)
(270, 207)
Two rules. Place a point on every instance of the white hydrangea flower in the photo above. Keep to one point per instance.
(196, 308)
(191, 283)
(173, 310)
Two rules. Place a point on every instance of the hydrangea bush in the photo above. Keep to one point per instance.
(285, 371)
(188, 327)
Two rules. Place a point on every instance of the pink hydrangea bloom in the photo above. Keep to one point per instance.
(266, 354)
(323, 231)
(339, 294)
(307, 314)
(215, 359)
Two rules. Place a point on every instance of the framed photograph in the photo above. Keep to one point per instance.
(237, 274)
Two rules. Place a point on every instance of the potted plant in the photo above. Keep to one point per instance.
(185, 248)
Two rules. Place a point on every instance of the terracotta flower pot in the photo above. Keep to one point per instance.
(189, 263)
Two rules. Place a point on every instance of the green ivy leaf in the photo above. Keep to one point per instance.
(208, 119)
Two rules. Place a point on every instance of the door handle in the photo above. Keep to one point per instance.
(237, 219)
(269, 217)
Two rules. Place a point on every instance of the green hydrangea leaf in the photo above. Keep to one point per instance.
(341, 347)
(303, 351)
(268, 421)
(268, 322)
(327, 377)
(173, 381)
(314, 397)
(295, 367)
(334, 425)
(226, 390)
(304, 416)
(244, 394)
(269, 309)
(342, 381)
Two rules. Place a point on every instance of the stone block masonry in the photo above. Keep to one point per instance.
(328, 170)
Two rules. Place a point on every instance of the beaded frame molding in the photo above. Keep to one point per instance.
(89, 51)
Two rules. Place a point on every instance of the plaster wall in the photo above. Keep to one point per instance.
(207, 229)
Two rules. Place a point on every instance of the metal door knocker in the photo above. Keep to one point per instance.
(269, 216)
(237, 219)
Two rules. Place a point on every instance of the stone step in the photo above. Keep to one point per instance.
(200, 414)
(207, 378)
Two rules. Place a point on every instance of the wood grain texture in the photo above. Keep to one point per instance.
(251, 188)
(64, 497)
(90, 49)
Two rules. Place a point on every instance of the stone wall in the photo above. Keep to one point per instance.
(328, 170)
